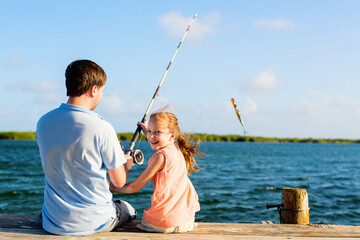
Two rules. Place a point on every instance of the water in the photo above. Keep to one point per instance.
(236, 182)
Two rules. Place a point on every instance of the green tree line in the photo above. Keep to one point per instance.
(198, 136)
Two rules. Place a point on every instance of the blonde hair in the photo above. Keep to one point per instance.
(188, 148)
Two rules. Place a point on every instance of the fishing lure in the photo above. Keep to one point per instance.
(238, 115)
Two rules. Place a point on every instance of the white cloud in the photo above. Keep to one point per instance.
(324, 116)
(355, 35)
(112, 104)
(16, 61)
(279, 23)
(328, 108)
(262, 82)
(35, 86)
(318, 115)
(160, 103)
(250, 106)
(175, 24)
(49, 99)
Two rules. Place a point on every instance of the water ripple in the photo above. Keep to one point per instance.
(235, 183)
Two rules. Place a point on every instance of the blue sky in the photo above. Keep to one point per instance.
(291, 66)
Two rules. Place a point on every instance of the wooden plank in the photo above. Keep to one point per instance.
(29, 227)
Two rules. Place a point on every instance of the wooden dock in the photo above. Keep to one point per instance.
(29, 227)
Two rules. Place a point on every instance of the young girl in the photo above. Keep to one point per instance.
(174, 201)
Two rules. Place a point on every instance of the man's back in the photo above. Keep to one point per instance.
(76, 147)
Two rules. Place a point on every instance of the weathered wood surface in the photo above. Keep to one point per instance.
(29, 227)
(295, 208)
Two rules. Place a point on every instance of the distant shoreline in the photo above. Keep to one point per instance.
(199, 136)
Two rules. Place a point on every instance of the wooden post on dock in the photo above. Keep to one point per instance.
(295, 209)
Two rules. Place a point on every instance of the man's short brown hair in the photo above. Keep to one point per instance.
(81, 75)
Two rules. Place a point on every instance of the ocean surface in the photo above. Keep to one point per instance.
(235, 183)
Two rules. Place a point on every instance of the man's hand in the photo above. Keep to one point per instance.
(130, 161)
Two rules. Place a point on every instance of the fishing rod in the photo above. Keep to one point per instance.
(137, 154)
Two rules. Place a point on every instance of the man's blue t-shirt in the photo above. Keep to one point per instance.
(76, 148)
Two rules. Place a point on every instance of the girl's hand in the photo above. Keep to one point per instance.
(143, 125)
(156, 165)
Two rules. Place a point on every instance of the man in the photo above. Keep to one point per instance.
(77, 149)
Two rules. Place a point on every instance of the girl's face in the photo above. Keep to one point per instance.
(158, 134)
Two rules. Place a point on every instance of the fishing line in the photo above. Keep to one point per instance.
(137, 154)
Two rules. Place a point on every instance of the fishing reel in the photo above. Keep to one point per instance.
(137, 155)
